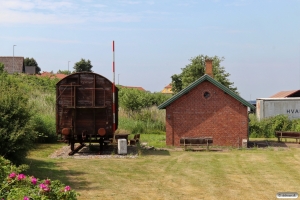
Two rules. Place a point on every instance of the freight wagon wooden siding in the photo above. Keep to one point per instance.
(206, 108)
(84, 103)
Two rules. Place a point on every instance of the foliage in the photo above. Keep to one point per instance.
(44, 126)
(134, 100)
(27, 113)
(16, 135)
(15, 185)
(83, 66)
(196, 69)
(266, 128)
(1, 67)
(66, 72)
(32, 62)
(147, 120)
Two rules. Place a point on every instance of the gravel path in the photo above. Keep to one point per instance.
(93, 153)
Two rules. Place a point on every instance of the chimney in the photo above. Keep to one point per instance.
(209, 68)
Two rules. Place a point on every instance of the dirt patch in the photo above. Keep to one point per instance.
(93, 151)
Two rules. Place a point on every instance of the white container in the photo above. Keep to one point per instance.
(269, 107)
(244, 143)
(122, 146)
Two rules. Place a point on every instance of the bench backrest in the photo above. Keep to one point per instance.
(287, 133)
(196, 140)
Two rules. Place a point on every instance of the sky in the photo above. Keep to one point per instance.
(154, 39)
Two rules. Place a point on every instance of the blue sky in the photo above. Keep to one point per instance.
(154, 39)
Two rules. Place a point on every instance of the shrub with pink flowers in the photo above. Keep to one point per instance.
(18, 186)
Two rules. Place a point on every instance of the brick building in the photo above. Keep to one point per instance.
(206, 108)
(12, 64)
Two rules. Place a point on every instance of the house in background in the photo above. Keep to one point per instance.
(30, 70)
(12, 64)
(167, 90)
(206, 108)
(286, 94)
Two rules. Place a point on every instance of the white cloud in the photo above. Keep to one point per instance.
(16, 4)
(238, 3)
(132, 2)
(60, 12)
(99, 6)
(11, 17)
(35, 39)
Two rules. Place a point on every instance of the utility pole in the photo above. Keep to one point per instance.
(14, 58)
(68, 67)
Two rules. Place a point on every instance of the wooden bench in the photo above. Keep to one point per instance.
(199, 141)
(287, 134)
(135, 139)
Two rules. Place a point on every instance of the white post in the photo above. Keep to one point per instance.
(113, 89)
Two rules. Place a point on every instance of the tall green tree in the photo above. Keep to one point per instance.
(196, 69)
(83, 66)
(32, 62)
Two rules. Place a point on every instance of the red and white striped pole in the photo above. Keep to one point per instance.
(113, 89)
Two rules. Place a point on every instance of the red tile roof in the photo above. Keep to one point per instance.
(168, 86)
(283, 94)
(51, 75)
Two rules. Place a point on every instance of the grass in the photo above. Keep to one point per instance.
(147, 120)
(232, 174)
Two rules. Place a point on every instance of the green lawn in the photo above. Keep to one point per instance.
(171, 174)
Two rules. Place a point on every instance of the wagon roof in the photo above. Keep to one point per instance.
(199, 81)
(81, 73)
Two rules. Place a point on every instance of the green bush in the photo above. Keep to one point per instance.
(147, 120)
(44, 126)
(27, 113)
(135, 100)
(16, 133)
(266, 128)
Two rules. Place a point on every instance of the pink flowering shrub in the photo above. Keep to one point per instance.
(15, 185)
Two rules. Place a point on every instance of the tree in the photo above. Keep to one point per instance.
(31, 62)
(66, 72)
(83, 66)
(196, 69)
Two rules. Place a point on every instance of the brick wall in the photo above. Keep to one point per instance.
(10, 61)
(207, 111)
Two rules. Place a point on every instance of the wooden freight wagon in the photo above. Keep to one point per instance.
(84, 109)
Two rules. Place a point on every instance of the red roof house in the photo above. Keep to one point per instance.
(206, 108)
(167, 90)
